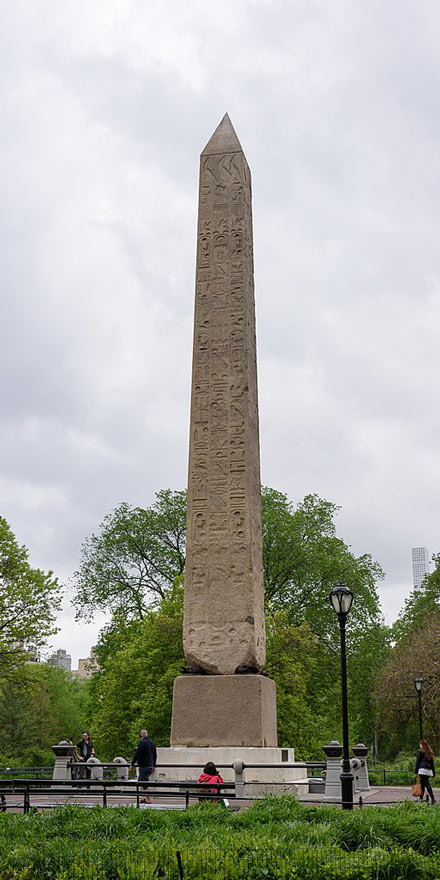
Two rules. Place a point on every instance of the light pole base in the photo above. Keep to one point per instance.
(347, 780)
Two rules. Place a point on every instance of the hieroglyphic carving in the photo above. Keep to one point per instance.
(224, 618)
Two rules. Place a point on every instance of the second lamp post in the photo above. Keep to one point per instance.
(341, 598)
(419, 683)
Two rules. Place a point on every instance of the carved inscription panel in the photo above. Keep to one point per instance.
(224, 617)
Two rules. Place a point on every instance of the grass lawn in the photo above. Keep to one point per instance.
(276, 839)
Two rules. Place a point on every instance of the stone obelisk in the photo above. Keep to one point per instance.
(226, 701)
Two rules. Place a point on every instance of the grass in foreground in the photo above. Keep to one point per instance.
(276, 839)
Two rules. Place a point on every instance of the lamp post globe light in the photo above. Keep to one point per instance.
(418, 682)
(341, 599)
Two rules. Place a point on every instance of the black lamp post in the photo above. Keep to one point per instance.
(418, 684)
(341, 598)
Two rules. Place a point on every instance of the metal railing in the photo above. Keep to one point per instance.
(27, 772)
(103, 789)
(312, 768)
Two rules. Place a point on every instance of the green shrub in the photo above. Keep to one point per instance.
(276, 839)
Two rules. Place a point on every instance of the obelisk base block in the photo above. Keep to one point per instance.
(224, 710)
(274, 773)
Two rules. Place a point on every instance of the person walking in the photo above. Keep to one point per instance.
(425, 768)
(145, 756)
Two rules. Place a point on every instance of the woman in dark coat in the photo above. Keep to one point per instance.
(425, 768)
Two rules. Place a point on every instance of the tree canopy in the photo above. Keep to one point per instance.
(132, 563)
(415, 651)
(39, 706)
(421, 603)
(134, 566)
(303, 560)
(29, 599)
(416, 654)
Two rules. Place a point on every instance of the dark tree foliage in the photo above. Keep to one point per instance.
(29, 599)
(134, 567)
(132, 563)
(421, 603)
(303, 560)
(39, 706)
(418, 653)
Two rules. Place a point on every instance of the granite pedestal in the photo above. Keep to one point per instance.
(224, 710)
(258, 781)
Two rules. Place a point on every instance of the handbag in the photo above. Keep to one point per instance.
(416, 787)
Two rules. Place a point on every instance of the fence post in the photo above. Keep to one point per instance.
(239, 778)
(179, 865)
(333, 753)
(384, 776)
(121, 769)
(186, 802)
(355, 765)
(64, 755)
(96, 770)
(362, 780)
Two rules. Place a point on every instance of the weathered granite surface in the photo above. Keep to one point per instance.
(224, 607)
(224, 710)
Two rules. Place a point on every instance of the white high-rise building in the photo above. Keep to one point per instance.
(420, 564)
(61, 659)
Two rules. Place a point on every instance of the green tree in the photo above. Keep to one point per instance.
(371, 652)
(421, 603)
(303, 560)
(29, 599)
(40, 705)
(132, 563)
(307, 690)
(140, 651)
(134, 688)
(418, 653)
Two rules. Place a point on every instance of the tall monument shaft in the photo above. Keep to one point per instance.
(224, 598)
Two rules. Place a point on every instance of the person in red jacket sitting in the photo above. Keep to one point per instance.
(210, 774)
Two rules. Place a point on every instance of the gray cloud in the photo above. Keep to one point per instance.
(106, 108)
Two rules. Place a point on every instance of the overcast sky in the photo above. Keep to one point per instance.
(106, 106)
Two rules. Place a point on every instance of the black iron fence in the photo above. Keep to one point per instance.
(384, 776)
(23, 788)
(111, 770)
(25, 793)
(378, 775)
(294, 863)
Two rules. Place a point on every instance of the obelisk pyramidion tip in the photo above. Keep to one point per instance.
(224, 139)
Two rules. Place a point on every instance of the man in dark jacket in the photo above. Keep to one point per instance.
(145, 757)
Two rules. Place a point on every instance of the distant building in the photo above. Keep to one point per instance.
(87, 666)
(420, 564)
(61, 659)
(32, 655)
